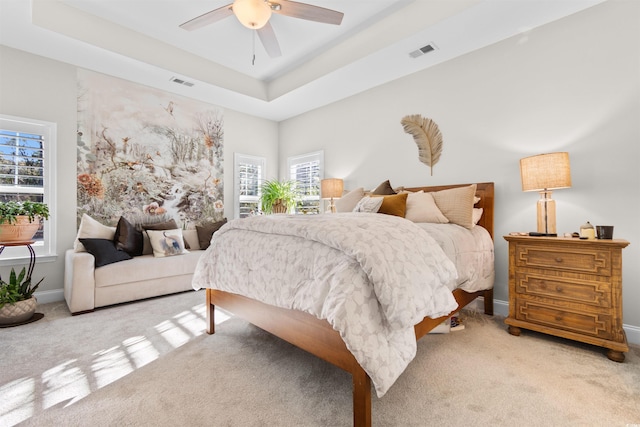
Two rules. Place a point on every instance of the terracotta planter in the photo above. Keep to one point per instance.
(21, 231)
(20, 311)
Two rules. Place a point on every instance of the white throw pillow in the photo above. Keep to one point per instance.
(166, 242)
(349, 201)
(92, 229)
(477, 214)
(422, 208)
(369, 204)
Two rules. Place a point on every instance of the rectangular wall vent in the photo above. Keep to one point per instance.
(181, 81)
(424, 49)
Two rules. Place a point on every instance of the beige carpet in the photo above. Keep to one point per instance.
(150, 363)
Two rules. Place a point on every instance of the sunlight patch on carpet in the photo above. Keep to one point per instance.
(17, 400)
(74, 379)
(64, 383)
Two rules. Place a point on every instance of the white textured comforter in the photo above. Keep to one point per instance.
(470, 250)
(372, 276)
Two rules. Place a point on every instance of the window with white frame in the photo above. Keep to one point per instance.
(307, 170)
(249, 174)
(27, 153)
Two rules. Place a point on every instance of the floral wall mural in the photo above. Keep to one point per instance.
(142, 151)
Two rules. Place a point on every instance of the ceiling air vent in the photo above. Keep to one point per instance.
(181, 82)
(424, 49)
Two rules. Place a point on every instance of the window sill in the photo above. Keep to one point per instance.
(13, 260)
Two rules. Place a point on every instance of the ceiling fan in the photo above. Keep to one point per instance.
(255, 14)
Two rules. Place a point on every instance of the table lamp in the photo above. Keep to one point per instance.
(331, 188)
(543, 173)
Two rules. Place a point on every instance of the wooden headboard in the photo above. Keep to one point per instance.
(484, 190)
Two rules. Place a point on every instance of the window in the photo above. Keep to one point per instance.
(307, 170)
(249, 174)
(27, 153)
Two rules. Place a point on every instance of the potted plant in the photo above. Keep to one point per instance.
(17, 303)
(278, 196)
(19, 221)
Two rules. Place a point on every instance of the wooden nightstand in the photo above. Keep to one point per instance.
(569, 288)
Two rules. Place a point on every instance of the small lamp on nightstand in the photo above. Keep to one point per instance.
(331, 188)
(543, 173)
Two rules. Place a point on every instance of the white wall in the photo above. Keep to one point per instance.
(39, 88)
(572, 85)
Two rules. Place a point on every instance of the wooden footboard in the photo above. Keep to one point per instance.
(304, 331)
(318, 337)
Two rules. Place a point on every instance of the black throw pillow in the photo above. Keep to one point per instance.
(104, 251)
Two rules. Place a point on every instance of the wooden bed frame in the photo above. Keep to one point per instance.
(318, 337)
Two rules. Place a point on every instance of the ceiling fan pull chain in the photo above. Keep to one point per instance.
(253, 61)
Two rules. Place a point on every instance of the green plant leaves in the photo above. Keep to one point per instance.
(18, 288)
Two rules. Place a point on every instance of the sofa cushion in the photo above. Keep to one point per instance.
(146, 268)
(191, 239)
(128, 238)
(92, 229)
(206, 231)
(104, 251)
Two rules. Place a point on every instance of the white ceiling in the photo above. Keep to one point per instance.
(140, 40)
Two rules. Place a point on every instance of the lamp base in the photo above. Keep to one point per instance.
(332, 206)
(546, 214)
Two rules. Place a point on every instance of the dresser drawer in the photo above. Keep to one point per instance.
(564, 258)
(563, 288)
(585, 323)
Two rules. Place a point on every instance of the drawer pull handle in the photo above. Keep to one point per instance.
(559, 288)
(558, 259)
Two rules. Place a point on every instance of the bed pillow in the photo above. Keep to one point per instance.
(206, 231)
(104, 251)
(384, 189)
(422, 208)
(394, 205)
(369, 204)
(477, 214)
(128, 238)
(90, 228)
(457, 204)
(349, 201)
(166, 242)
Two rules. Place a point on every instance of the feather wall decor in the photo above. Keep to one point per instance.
(427, 136)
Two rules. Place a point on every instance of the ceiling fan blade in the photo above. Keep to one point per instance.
(208, 18)
(306, 11)
(269, 40)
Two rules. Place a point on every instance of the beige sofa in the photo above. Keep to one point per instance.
(87, 287)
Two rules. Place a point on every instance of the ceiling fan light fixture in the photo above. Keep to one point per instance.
(252, 14)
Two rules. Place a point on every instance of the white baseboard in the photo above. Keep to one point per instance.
(501, 308)
(633, 334)
(46, 297)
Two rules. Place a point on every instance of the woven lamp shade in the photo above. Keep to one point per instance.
(545, 172)
(331, 188)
